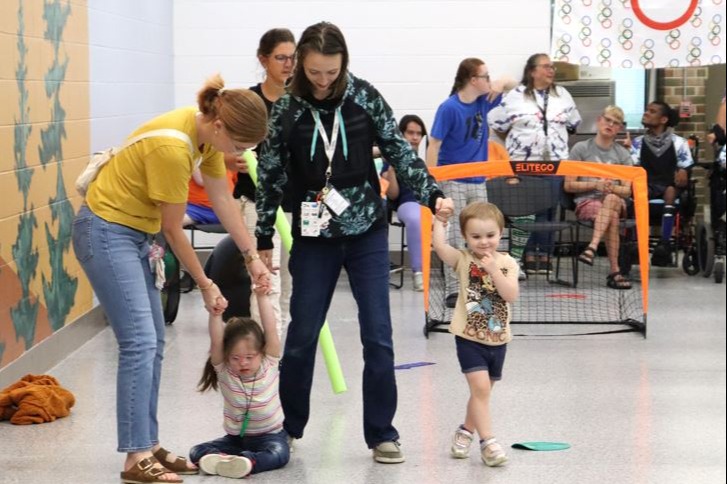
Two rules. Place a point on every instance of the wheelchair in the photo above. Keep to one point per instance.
(711, 234)
(683, 238)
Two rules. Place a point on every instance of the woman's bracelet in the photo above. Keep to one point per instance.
(208, 286)
(251, 257)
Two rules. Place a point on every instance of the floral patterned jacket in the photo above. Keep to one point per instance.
(367, 121)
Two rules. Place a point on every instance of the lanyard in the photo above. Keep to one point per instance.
(246, 418)
(544, 111)
(329, 145)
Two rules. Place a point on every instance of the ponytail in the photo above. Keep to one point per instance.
(671, 114)
(241, 111)
(467, 70)
(209, 377)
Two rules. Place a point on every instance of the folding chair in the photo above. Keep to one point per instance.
(531, 195)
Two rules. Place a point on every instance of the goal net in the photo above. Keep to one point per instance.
(550, 224)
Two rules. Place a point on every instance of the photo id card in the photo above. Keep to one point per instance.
(335, 201)
(309, 221)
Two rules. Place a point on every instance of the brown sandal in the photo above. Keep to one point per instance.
(144, 472)
(178, 466)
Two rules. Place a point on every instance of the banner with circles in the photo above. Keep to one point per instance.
(639, 33)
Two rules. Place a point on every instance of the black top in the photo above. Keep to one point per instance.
(366, 119)
(659, 169)
(245, 186)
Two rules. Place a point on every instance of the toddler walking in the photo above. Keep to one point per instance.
(488, 282)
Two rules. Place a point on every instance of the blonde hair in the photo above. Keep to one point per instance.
(242, 111)
(481, 211)
(615, 112)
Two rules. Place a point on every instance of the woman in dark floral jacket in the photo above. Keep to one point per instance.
(323, 132)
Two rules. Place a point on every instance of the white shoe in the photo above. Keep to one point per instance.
(418, 281)
(492, 453)
(461, 443)
(388, 453)
(233, 466)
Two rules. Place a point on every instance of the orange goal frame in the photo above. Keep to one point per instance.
(494, 169)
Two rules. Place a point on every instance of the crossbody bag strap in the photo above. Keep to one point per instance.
(165, 133)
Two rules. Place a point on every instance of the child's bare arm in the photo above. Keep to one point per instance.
(446, 252)
(269, 322)
(217, 331)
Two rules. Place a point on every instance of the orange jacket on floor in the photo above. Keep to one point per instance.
(35, 399)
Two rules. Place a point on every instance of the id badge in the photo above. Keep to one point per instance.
(309, 221)
(324, 216)
(335, 201)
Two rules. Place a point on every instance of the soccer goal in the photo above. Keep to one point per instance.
(549, 228)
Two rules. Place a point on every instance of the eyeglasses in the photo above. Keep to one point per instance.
(485, 77)
(284, 58)
(549, 67)
(610, 121)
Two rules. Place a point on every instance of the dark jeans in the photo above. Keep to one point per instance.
(315, 266)
(267, 452)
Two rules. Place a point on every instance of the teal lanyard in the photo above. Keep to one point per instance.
(330, 147)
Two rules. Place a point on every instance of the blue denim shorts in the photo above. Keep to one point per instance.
(478, 357)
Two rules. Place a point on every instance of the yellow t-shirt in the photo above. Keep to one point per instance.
(130, 187)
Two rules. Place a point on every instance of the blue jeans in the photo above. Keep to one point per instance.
(267, 452)
(315, 266)
(116, 260)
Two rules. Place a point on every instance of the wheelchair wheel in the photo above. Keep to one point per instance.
(718, 270)
(690, 262)
(705, 248)
(171, 291)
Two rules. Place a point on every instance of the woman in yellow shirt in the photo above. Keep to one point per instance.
(142, 190)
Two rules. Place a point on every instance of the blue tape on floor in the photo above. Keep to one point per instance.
(407, 366)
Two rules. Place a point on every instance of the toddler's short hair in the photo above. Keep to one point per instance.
(481, 211)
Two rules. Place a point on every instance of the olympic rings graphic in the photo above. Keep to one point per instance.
(678, 22)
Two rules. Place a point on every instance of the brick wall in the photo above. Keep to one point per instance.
(689, 84)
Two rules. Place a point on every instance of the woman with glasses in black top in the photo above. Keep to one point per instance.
(276, 53)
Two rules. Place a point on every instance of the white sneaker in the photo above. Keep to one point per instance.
(233, 466)
(418, 280)
(461, 443)
(492, 453)
(388, 453)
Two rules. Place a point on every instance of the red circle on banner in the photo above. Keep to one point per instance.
(676, 23)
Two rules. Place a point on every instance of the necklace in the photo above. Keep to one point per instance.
(248, 403)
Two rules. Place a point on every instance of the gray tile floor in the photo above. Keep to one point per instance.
(634, 410)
